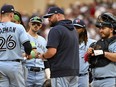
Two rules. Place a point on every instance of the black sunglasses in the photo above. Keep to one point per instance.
(35, 23)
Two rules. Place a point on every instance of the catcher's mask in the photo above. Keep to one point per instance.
(106, 20)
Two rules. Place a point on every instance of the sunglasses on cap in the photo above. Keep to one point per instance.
(35, 23)
(36, 19)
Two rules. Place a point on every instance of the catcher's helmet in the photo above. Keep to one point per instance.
(106, 19)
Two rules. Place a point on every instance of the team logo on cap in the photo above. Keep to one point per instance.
(48, 10)
(77, 21)
(12, 9)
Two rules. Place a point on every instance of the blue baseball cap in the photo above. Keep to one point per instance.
(7, 8)
(53, 10)
(79, 23)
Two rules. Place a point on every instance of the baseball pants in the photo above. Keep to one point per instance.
(109, 82)
(83, 81)
(35, 79)
(69, 81)
(11, 74)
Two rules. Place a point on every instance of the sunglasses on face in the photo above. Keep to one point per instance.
(35, 23)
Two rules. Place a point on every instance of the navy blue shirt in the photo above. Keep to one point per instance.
(64, 38)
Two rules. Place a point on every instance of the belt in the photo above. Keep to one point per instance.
(83, 74)
(17, 60)
(35, 69)
(101, 78)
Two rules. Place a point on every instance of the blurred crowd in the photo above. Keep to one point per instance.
(87, 12)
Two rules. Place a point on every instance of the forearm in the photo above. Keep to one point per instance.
(49, 54)
(110, 56)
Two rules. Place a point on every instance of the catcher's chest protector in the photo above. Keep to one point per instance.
(101, 61)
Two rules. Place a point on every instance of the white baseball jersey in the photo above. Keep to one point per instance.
(82, 50)
(11, 37)
(40, 43)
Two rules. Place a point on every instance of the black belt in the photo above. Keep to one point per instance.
(101, 78)
(35, 69)
(83, 74)
(17, 60)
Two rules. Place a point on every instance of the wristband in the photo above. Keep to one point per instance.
(44, 59)
(98, 52)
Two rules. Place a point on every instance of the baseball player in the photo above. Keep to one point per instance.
(18, 20)
(12, 36)
(36, 73)
(102, 54)
(84, 43)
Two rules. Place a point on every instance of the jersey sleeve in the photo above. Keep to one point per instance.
(23, 35)
(112, 47)
(53, 38)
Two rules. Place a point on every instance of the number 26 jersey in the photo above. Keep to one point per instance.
(11, 37)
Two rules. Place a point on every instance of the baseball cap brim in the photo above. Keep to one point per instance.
(36, 21)
(48, 15)
(78, 25)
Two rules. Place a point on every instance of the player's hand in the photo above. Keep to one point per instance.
(93, 52)
(88, 54)
(34, 54)
(41, 56)
(90, 51)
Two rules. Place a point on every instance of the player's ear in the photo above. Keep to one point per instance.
(40, 25)
(29, 23)
(111, 30)
(11, 15)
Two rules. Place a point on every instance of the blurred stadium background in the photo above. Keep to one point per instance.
(30, 6)
(88, 10)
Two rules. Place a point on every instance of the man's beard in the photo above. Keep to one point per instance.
(35, 31)
(104, 36)
(52, 24)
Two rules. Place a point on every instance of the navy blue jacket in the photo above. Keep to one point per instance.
(64, 38)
